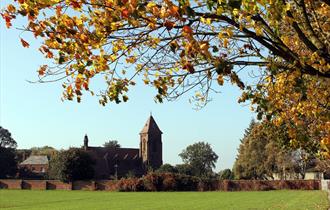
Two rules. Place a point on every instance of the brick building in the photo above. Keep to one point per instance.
(37, 164)
(121, 161)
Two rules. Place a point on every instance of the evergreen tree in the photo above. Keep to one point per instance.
(260, 154)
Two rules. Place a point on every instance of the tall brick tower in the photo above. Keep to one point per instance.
(151, 148)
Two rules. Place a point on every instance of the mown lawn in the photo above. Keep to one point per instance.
(84, 200)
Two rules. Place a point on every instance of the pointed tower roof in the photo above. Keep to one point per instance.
(150, 126)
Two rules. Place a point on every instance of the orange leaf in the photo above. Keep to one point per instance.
(75, 4)
(11, 8)
(169, 25)
(125, 13)
(7, 18)
(42, 70)
(8, 24)
(187, 29)
(25, 43)
(189, 67)
(174, 10)
(83, 38)
(58, 10)
(49, 54)
(85, 85)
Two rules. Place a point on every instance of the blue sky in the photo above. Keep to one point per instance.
(36, 116)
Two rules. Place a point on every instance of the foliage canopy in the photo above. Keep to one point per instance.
(181, 46)
(72, 164)
(112, 144)
(6, 140)
(8, 163)
(200, 157)
(260, 154)
(226, 174)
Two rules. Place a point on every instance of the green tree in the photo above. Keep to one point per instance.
(22, 154)
(261, 154)
(184, 169)
(324, 166)
(200, 157)
(226, 174)
(6, 140)
(167, 168)
(112, 144)
(70, 165)
(8, 163)
(45, 150)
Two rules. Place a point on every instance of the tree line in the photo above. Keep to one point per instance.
(261, 155)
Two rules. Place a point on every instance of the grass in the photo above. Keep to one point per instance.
(84, 200)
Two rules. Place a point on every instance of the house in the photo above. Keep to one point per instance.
(37, 164)
(118, 162)
(314, 174)
(311, 173)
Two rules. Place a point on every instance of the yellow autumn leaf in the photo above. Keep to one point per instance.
(225, 42)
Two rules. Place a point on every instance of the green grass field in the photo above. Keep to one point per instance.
(84, 200)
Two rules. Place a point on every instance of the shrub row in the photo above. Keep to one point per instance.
(164, 182)
(263, 185)
(160, 182)
(177, 182)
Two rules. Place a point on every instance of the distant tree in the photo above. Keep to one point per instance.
(167, 168)
(112, 144)
(8, 163)
(200, 157)
(252, 160)
(22, 154)
(6, 140)
(302, 161)
(72, 164)
(226, 174)
(238, 165)
(45, 150)
(184, 169)
(260, 153)
(324, 166)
